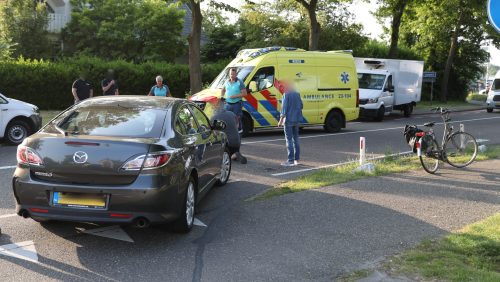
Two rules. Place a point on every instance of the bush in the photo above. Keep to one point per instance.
(476, 97)
(48, 84)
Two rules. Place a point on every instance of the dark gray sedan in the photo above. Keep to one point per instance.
(122, 159)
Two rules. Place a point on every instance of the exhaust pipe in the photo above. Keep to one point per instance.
(141, 222)
(25, 214)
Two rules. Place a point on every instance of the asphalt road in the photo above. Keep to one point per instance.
(309, 236)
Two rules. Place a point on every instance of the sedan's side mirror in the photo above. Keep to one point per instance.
(218, 125)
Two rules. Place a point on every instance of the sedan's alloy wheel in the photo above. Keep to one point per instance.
(225, 167)
(190, 204)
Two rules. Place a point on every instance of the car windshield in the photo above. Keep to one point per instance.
(496, 85)
(371, 81)
(115, 121)
(219, 81)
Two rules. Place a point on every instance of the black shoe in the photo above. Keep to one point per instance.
(243, 160)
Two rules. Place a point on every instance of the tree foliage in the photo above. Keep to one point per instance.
(448, 35)
(136, 30)
(23, 29)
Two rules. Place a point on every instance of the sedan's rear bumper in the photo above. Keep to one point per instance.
(146, 198)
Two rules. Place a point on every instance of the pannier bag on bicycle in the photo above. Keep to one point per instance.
(410, 136)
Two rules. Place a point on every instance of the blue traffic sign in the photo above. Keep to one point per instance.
(430, 74)
(494, 13)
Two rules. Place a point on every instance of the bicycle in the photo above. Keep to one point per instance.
(458, 148)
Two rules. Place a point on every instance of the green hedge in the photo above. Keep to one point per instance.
(48, 84)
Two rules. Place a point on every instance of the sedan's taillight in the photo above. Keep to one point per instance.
(148, 161)
(28, 156)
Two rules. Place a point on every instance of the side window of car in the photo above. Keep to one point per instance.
(203, 122)
(389, 82)
(185, 117)
(2, 101)
(264, 78)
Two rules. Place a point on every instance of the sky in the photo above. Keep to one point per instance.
(363, 14)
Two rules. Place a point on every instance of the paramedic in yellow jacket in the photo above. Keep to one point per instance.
(233, 91)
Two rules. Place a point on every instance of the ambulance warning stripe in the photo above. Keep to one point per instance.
(268, 97)
(254, 113)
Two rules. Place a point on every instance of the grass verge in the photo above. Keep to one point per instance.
(428, 104)
(48, 116)
(344, 173)
(472, 254)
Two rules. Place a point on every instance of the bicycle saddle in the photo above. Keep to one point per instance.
(429, 124)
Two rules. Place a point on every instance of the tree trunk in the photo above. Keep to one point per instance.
(314, 26)
(451, 56)
(194, 48)
(397, 14)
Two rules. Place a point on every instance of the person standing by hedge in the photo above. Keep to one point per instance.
(81, 89)
(160, 89)
(109, 84)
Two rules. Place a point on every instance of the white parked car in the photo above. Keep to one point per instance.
(18, 120)
(493, 99)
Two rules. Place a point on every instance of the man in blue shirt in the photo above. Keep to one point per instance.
(160, 89)
(290, 118)
(233, 91)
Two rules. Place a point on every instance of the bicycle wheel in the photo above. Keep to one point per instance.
(429, 154)
(460, 149)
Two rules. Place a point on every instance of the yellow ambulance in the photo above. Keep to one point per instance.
(326, 81)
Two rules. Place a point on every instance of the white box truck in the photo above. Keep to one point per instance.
(386, 85)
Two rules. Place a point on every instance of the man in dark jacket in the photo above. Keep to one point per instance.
(231, 130)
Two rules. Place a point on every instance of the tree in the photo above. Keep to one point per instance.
(135, 30)
(223, 39)
(23, 28)
(395, 10)
(310, 9)
(194, 38)
(448, 35)
(314, 26)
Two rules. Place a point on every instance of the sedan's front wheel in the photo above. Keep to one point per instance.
(186, 220)
(225, 169)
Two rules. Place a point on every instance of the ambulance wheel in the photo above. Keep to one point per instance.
(247, 125)
(333, 122)
(380, 114)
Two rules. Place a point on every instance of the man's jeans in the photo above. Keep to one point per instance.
(292, 142)
(236, 109)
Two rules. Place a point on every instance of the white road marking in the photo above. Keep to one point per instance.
(113, 232)
(357, 132)
(482, 141)
(338, 164)
(7, 215)
(7, 167)
(199, 223)
(25, 250)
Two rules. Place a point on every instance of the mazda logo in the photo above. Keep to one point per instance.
(80, 157)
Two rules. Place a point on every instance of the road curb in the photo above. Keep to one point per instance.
(456, 110)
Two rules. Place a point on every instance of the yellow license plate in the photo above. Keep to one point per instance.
(79, 200)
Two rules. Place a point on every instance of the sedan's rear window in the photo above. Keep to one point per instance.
(114, 121)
